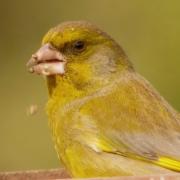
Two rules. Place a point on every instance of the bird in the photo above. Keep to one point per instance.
(106, 119)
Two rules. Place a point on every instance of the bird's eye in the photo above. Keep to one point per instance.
(79, 46)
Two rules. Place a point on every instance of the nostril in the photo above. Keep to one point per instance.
(50, 46)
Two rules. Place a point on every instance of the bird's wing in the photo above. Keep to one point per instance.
(135, 121)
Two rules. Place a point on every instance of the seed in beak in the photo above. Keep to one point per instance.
(34, 56)
(31, 70)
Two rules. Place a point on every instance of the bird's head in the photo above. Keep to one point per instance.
(80, 52)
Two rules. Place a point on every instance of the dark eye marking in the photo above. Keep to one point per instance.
(79, 45)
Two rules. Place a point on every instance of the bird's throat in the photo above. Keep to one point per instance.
(61, 90)
(51, 83)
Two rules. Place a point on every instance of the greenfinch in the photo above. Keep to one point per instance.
(105, 118)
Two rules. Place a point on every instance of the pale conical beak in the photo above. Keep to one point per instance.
(47, 61)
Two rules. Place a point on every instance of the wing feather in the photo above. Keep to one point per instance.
(135, 121)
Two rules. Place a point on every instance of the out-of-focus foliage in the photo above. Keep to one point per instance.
(149, 31)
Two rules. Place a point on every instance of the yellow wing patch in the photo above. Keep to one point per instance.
(169, 163)
(165, 162)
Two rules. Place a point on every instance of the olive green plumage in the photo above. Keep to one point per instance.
(106, 119)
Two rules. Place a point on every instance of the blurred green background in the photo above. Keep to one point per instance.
(148, 30)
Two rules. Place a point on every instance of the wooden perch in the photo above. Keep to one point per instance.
(35, 175)
(62, 174)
